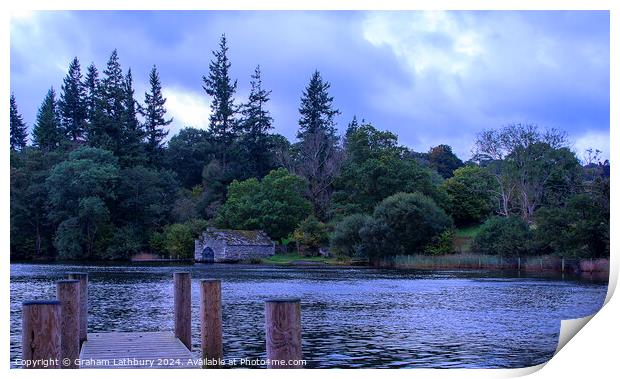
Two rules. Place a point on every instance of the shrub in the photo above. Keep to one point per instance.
(442, 244)
(311, 234)
(508, 236)
(346, 240)
(405, 223)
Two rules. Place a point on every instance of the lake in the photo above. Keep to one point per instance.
(351, 316)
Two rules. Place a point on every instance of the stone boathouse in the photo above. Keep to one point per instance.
(223, 245)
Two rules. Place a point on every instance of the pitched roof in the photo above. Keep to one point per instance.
(239, 237)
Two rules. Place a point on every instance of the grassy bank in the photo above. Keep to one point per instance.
(296, 258)
(464, 237)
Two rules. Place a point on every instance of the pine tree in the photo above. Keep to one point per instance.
(19, 132)
(47, 133)
(318, 156)
(316, 110)
(92, 103)
(256, 124)
(154, 116)
(221, 88)
(112, 97)
(131, 150)
(72, 103)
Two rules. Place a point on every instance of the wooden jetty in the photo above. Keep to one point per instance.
(54, 333)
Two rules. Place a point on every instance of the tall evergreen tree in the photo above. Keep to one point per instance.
(318, 155)
(221, 88)
(47, 133)
(154, 114)
(71, 106)
(131, 151)
(92, 104)
(19, 134)
(256, 123)
(316, 109)
(112, 95)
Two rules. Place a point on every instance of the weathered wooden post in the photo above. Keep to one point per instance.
(283, 333)
(68, 294)
(83, 278)
(183, 308)
(562, 264)
(519, 263)
(211, 319)
(41, 340)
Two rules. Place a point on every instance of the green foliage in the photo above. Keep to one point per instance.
(311, 234)
(47, 134)
(81, 206)
(18, 130)
(346, 240)
(275, 204)
(404, 223)
(470, 194)
(579, 229)
(506, 236)
(375, 168)
(154, 117)
(187, 153)
(442, 244)
(442, 159)
(72, 105)
(177, 240)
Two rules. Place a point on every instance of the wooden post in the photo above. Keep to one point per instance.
(519, 263)
(283, 333)
(211, 319)
(68, 294)
(41, 334)
(83, 278)
(183, 308)
(562, 264)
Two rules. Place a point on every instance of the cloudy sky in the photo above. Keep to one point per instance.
(430, 77)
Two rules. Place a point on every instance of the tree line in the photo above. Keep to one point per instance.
(99, 180)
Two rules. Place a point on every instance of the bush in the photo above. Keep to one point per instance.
(507, 236)
(470, 194)
(311, 234)
(346, 240)
(442, 244)
(405, 223)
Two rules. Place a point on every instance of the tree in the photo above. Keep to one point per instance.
(19, 132)
(221, 88)
(526, 164)
(442, 159)
(154, 117)
(317, 156)
(404, 223)
(256, 124)
(187, 154)
(505, 236)
(346, 240)
(47, 134)
(72, 104)
(92, 103)
(275, 204)
(81, 207)
(311, 235)
(131, 150)
(374, 168)
(471, 194)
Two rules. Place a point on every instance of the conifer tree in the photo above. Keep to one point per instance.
(47, 133)
(92, 104)
(72, 103)
(131, 150)
(19, 133)
(112, 97)
(221, 88)
(256, 124)
(318, 156)
(316, 110)
(154, 114)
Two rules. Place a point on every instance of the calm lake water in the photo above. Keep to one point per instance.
(352, 317)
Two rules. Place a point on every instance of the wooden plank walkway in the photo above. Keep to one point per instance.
(136, 350)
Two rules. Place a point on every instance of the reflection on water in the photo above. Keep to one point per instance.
(351, 317)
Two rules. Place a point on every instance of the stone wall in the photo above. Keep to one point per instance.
(230, 253)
